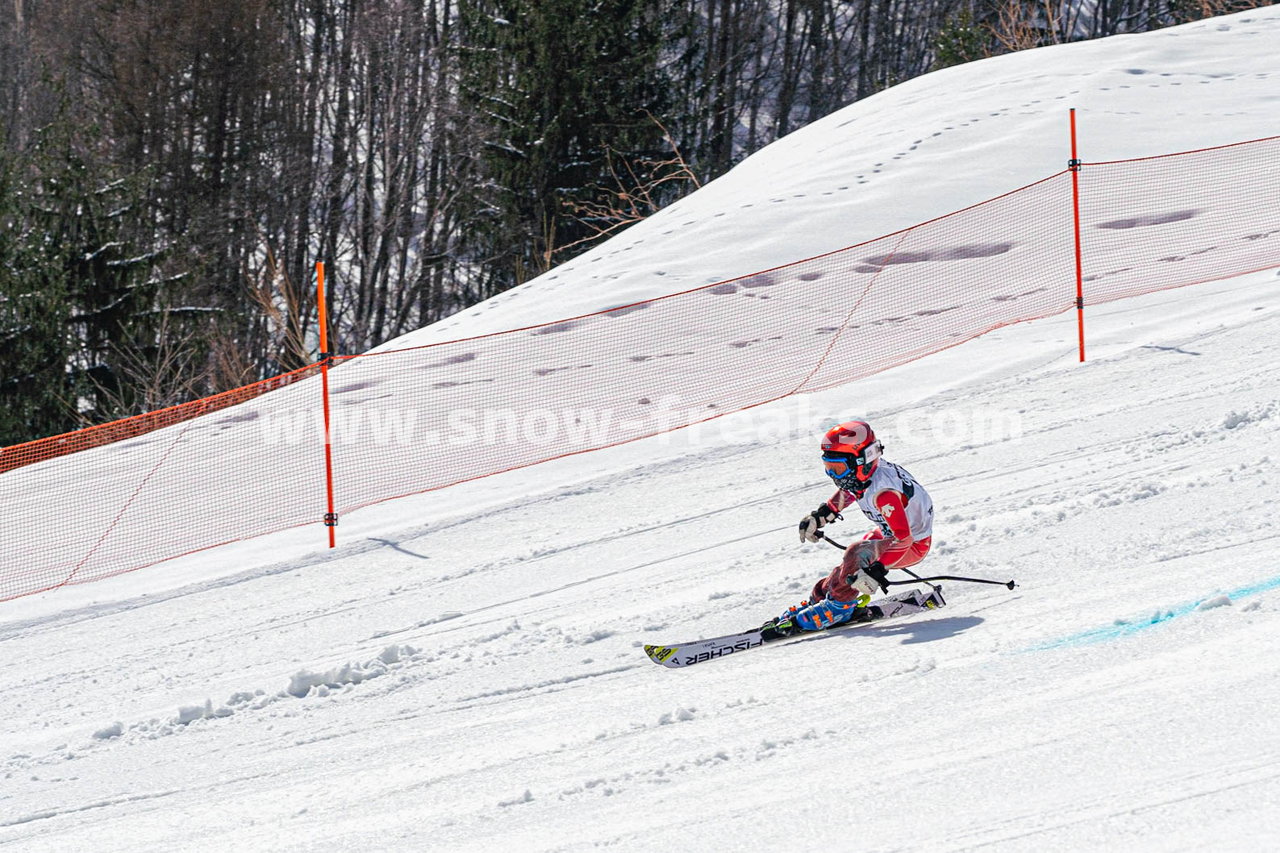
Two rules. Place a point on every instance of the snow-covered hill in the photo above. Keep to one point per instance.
(929, 146)
(465, 671)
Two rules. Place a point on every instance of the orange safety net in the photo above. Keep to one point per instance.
(17, 455)
(412, 420)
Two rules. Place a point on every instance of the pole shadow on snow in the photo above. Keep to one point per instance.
(396, 546)
(1170, 349)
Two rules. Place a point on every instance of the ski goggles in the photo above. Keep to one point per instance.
(842, 466)
(838, 466)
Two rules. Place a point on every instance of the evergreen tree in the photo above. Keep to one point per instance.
(83, 308)
(567, 86)
(37, 393)
(960, 40)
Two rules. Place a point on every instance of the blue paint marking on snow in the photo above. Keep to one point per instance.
(1128, 627)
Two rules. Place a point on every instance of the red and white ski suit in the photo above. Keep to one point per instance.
(903, 514)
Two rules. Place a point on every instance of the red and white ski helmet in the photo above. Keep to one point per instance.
(850, 454)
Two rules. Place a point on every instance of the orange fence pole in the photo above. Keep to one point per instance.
(330, 517)
(1074, 165)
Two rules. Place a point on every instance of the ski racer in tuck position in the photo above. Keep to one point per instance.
(902, 512)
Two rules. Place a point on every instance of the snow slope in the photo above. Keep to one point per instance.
(465, 671)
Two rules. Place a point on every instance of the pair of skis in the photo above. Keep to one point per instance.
(682, 655)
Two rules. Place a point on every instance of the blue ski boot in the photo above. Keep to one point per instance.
(831, 612)
(814, 617)
(835, 611)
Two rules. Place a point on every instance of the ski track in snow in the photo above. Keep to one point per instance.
(466, 671)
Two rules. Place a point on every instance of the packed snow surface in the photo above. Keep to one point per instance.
(465, 671)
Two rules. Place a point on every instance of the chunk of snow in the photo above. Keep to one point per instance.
(190, 713)
(112, 731)
(678, 715)
(304, 680)
(526, 797)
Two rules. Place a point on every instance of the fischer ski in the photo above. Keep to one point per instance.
(681, 655)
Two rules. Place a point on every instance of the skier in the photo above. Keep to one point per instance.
(902, 512)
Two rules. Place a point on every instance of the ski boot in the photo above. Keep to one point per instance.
(831, 612)
(815, 617)
(837, 611)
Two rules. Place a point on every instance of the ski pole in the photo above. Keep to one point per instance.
(1009, 583)
(919, 579)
